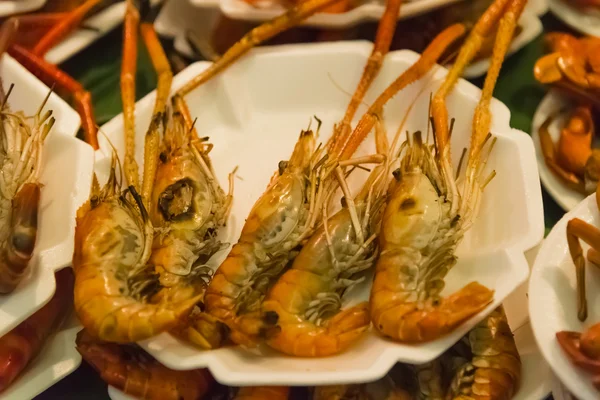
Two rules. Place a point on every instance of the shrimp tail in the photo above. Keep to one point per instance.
(135, 373)
(407, 322)
(18, 248)
(306, 339)
(203, 331)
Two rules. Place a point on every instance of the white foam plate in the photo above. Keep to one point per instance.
(584, 21)
(536, 379)
(566, 197)
(102, 22)
(8, 7)
(559, 392)
(268, 97)
(532, 27)
(58, 359)
(66, 176)
(552, 300)
(538, 7)
(366, 11)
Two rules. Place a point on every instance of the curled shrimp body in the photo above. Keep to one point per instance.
(426, 216)
(494, 369)
(113, 281)
(276, 225)
(21, 142)
(418, 238)
(135, 373)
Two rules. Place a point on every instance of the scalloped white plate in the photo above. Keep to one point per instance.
(538, 7)
(552, 300)
(8, 7)
(366, 11)
(102, 22)
(58, 359)
(587, 22)
(532, 27)
(67, 168)
(566, 197)
(268, 97)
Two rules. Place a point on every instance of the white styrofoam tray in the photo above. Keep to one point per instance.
(10, 7)
(566, 197)
(58, 359)
(365, 11)
(66, 176)
(553, 300)
(268, 97)
(585, 21)
(102, 23)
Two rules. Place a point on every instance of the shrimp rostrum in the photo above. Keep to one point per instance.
(140, 253)
(307, 299)
(426, 215)
(21, 147)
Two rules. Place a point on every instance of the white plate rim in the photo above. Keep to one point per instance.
(538, 288)
(576, 19)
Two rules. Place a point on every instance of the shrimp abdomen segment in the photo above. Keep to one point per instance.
(306, 339)
(18, 249)
(413, 321)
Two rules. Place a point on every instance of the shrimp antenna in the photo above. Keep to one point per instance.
(460, 162)
(45, 100)
(115, 155)
(5, 100)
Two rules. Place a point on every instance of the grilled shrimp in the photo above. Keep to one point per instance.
(426, 216)
(113, 280)
(21, 345)
(307, 299)
(494, 369)
(132, 371)
(21, 142)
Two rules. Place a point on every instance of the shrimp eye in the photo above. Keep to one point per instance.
(344, 202)
(407, 204)
(397, 174)
(176, 201)
(282, 166)
(163, 157)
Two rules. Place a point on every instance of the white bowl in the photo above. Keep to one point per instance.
(587, 22)
(67, 168)
(552, 300)
(566, 197)
(366, 11)
(102, 23)
(9, 7)
(268, 97)
(58, 359)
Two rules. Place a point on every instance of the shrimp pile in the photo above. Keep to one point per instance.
(141, 252)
